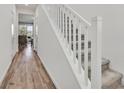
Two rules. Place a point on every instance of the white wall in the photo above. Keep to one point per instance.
(15, 31)
(25, 11)
(5, 38)
(35, 32)
(113, 30)
(52, 55)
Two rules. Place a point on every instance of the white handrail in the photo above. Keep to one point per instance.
(83, 19)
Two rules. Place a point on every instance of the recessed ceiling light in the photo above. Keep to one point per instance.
(26, 4)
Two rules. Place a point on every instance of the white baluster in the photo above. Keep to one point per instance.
(72, 32)
(66, 28)
(86, 54)
(96, 48)
(79, 46)
(61, 21)
(74, 38)
(69, 15)
(62, 24)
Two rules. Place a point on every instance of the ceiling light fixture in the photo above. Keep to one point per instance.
(26, 4)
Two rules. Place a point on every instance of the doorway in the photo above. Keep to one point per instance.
(25, 34)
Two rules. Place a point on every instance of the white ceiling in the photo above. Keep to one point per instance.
(26, 12)
(30, 7)
(25, 18)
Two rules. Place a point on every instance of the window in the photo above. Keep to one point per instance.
(29, 28)
(22, 29)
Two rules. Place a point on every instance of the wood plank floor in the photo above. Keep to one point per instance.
(27, 72)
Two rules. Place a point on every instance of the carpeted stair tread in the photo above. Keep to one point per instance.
(110, 78)
(105, 64)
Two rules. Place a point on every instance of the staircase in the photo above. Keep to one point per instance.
(83, 50)
(111, 79)
(80, 43)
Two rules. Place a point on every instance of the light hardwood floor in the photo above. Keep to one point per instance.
(27, 72)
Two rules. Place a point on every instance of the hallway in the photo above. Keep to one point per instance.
(27, 71)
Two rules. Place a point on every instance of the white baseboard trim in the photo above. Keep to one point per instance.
(6, 70)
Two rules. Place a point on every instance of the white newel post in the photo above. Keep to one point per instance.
(96, 51)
